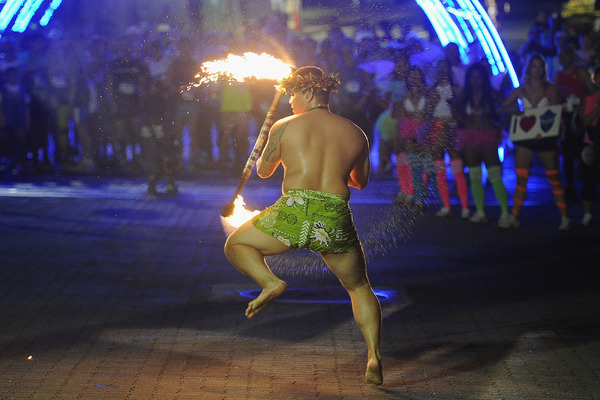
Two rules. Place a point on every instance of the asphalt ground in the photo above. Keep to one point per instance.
(107, 293)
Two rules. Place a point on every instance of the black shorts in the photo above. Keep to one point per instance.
(539, 145)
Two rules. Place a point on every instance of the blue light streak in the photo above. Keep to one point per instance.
(49, 12)
(465, 22)
(26, 14)
(8, 12)
(17, 15)
(486, 40)
(498, 41)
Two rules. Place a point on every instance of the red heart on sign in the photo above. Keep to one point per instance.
(527, 123)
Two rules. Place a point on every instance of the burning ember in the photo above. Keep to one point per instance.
(240, 213)
(240, 68)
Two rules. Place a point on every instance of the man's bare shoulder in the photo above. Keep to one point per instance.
(311, 123)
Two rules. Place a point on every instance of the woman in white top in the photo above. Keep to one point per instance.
(536, 91)
(441, 138)
(412, 113)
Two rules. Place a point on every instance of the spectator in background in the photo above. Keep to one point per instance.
(308, 52)
(99, 118)
(586, 55)
(83, 92)
(392, 90)
(9, 57)
(479, 136)
(351, 94)
(536, 91)
(552, 60)
(413, 113)
(125, 80)
(236, 105)
(573, 84)
(540, 38)
(37, 85)
(209, 96)
(459, 69)
(13, 118)
(61, 79)
(182, 70)
(442, 132)
(590, 155)
(161, 150)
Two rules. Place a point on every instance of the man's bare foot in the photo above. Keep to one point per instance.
(374, 374)
(264, 298)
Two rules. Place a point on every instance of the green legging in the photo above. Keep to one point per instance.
(478, 192)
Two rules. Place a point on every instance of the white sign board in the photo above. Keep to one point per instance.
(536, 123)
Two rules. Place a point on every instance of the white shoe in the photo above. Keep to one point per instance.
(508, 221)
(587, 220)
(478, 217)
(465, 213)
(444, 212)
(565, 224)
(505, 221)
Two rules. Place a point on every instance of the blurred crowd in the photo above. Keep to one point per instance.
(90, 103)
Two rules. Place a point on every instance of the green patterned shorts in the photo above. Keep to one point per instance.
(309, 219)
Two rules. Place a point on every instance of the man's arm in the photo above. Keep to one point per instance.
(587, 81)
(271, 156)
(359, 176)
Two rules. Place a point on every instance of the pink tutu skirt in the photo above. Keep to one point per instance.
(410, 129)
(478, 139)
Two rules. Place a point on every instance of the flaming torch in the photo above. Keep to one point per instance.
(238, 69)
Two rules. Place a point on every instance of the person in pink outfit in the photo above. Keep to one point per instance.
(442, 132)
(412, 113)
(478, 136)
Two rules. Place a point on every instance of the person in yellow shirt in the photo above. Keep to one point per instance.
(236, 105)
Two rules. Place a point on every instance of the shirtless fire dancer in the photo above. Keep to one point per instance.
(322, 155)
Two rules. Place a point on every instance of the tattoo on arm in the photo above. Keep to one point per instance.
(274, 139)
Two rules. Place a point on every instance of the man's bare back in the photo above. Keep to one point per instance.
(319, 151)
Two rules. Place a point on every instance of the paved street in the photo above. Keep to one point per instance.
(109, 294)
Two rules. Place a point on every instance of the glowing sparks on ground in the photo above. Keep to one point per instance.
(240, 68)
(240, 213)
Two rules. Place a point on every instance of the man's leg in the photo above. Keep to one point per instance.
(246, 249)
(351, 270)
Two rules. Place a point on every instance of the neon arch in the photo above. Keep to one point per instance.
(466, 22)
(21, 12)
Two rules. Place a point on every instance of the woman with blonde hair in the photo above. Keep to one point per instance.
(536, 91)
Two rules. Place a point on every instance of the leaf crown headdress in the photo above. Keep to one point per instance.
(294, 83)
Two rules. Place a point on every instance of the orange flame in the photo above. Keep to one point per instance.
(240, 68)
(240, 213)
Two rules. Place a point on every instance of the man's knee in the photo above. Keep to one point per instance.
(229, 248)
(355, 283)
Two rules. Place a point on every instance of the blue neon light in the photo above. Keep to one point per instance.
(461, 21)
(26, 14)
(49, 12)
(486, 40)
(8, 12)
(465, 22)
(498, 41)
(20, 13)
